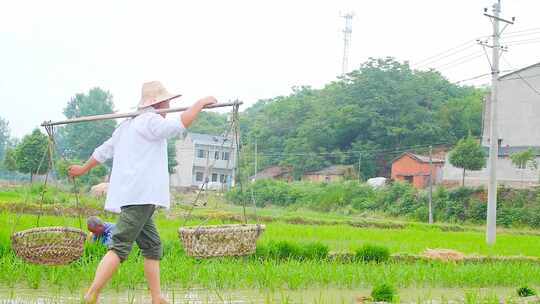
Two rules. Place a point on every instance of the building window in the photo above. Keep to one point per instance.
(216, 155)
(198, 176)
(214, 177)
(222, 178)
(201, 153)
(225, 155)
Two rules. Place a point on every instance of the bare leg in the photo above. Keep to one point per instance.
(151, 272)
(105, 270)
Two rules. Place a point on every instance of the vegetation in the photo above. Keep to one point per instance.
(525, 291)
(468, 155)
(525, 159)
(516, 208)
(372, 253)
(78, 141)
(383, 292)
(30, 155)
(284, 260)
(356, 116)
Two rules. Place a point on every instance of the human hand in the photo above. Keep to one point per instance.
(209, 100)
(76, 170)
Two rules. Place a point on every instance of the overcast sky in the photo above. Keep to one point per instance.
(247, 50)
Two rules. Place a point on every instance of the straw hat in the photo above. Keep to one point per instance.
(154, 92)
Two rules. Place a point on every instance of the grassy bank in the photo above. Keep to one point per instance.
(255, 272)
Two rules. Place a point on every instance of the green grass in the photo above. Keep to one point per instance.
(245, 273)
(31, 195)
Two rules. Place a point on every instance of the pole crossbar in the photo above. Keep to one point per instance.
(131, 114)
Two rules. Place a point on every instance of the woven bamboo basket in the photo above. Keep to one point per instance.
(49, 245)
(223, 240)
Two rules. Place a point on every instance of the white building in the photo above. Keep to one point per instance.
(201, 157)
(518, 125)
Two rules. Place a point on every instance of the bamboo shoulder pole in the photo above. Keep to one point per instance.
(131, 114)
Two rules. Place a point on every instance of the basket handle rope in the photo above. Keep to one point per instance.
(75, 189)
(206, 180)
(20, 210)
(235, 129)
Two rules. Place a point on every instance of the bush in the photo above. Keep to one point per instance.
(315, 251)
(372, 253)
(525, 292)
(383, 292)
(284, 250)
(461, 205)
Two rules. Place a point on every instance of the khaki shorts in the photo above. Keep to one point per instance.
(135, 224)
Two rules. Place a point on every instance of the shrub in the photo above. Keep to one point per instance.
(284, 250)
(525, 291)
(383, 292)
(289, 250)
(315, 251)
(372, 253)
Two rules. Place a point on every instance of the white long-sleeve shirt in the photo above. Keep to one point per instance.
(139, 150)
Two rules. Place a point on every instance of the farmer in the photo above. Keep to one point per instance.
(100, 231)
(139, 183)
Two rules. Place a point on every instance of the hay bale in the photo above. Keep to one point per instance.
(99, 190)
(442, 254)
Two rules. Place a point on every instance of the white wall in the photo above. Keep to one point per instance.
(506, 174)
(518, 110)
(185, 155)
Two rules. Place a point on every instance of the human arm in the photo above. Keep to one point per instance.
(77, 170)
(190, 114)
(157, 127)
(100, 155)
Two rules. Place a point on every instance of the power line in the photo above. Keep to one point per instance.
(479, 76)
(399, 150)
(523, 79)
(525, 30)
(460, 61)
(520, 35)
(443, 55)
(520, 41)
(472, 78)
(523, 43)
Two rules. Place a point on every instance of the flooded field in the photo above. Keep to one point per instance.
(205, 296)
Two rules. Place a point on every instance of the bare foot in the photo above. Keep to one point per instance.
(90, 298)
(163, 300)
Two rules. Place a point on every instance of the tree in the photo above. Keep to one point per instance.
(31, 154)
(468, 155)
(4, 137)
(210, 123)
(10, 162)
(525, 159)
(78, 141)
(383, 106)
(462, 116)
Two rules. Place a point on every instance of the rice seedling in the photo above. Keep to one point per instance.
(289, 257)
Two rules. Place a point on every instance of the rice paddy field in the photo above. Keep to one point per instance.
(264, 278)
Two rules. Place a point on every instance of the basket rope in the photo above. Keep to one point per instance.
(49, 245)
(222, 240)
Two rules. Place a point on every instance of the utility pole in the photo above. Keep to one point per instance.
(491, 224)
(347, 31)
(430, 184)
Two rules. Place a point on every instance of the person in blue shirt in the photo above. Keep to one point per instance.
(101, 231)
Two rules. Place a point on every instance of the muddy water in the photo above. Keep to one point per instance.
(205, 296)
